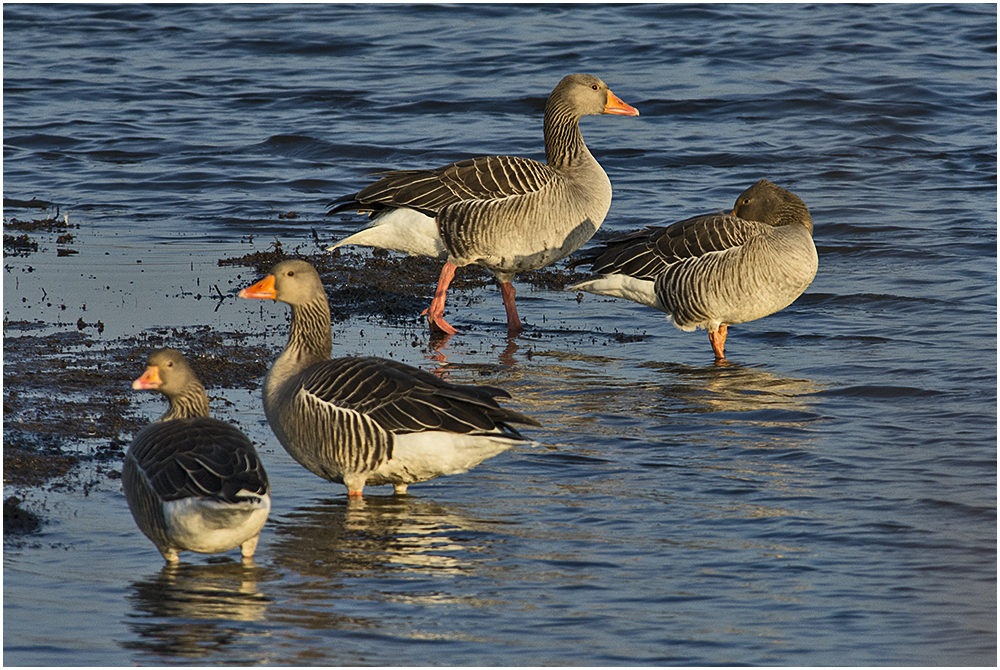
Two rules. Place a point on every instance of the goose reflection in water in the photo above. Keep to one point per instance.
(203, 612)
(570, 391)
(734, 388)
(758, 446)
(338, 538)
(653, 390)
(611, 424)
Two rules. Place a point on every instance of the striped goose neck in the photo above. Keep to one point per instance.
(190, 403)
(310, 340)
(564, 145)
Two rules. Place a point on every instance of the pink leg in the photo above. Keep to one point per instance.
(513, 321)
(435, 313)
(718, 340)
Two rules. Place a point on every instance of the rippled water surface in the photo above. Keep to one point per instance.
(829, 498)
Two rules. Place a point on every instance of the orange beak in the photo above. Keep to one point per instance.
(262, 289)
(150, 379)
(618, 106)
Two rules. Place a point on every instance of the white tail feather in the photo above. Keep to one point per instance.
(641, 291)
(404, 230)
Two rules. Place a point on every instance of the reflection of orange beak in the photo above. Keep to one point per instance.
(618, 106)
(262, 289)
(150, 379)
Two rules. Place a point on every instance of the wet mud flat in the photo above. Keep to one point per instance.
(68, 406)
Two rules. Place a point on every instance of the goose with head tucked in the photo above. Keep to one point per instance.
(505, 213)
(716, 270)
(370, 421)
(193, 483)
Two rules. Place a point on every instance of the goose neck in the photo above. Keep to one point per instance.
(190, 403)
(309, 339)
(564, 145)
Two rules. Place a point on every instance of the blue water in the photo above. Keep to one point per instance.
(827, 499)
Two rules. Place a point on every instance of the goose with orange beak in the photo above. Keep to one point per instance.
(505, 213)
(370, 421)
(193, 483)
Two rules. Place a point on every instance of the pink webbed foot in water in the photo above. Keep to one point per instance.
(718, 340)
(435, 313)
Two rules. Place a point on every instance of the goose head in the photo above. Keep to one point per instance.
(292, 282)
(768, 203)
(167, 372)
(585, 94)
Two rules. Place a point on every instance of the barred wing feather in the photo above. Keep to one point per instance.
(647, 253)
(340, 439)
(430, 191)
(403, 399)
(198, 457)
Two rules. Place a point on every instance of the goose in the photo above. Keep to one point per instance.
(193, 483)
(364, 420)
(716, 270)
(505, 213)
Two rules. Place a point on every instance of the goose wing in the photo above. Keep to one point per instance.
(404, 399)
(429, 191)
(647, 253)
(198, 457)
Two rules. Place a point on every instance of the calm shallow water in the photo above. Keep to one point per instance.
(830, 498)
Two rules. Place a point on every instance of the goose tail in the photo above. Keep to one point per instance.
(642, 291)
(404, 230)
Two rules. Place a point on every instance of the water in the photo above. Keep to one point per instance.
(830, 498)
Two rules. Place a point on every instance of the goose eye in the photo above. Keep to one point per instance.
(291, 273)
(594, 86)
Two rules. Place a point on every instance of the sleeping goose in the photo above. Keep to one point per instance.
(193, 483)
(373, 421)
(715, 270)
(505, 213)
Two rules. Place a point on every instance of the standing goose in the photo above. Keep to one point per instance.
(193, 483)
(715, 270)
(505, 213)
(372, 421)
